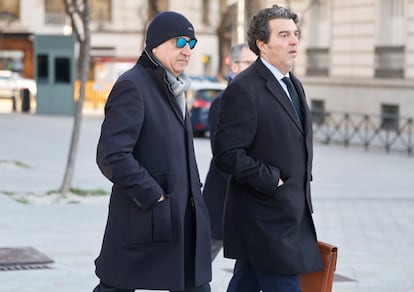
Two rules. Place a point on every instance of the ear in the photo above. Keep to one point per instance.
(154, 51)
(234, 68)
(260, 44)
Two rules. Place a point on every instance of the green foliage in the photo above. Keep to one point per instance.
(88, 193)
(15, 162)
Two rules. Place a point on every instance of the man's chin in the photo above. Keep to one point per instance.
(181, 69)
(292, 65)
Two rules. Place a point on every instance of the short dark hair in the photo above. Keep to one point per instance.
(259, 28)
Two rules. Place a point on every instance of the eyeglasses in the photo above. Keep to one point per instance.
(248, 63)
(181, 42)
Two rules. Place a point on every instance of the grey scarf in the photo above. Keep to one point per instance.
(178, 86)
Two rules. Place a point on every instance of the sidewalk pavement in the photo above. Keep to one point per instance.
(363, 203)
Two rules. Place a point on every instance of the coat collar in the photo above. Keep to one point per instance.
(272, 84)
(147, 60)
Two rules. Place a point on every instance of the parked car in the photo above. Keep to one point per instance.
(21, 91)
(199, 98)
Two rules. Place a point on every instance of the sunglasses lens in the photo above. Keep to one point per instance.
(192, 43)
(181, 42)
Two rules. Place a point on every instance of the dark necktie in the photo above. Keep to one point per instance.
(294, 97)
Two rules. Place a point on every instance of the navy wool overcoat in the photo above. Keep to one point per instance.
(258, 140)
(146, 149)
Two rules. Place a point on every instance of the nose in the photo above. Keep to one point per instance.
(186, 50)
(295, 38)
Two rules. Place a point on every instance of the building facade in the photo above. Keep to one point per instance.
(355, 56)
(117, 28)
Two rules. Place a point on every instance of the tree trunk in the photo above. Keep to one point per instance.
(83, 69)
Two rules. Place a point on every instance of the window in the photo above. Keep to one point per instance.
(389, 51)
(317, 61)
(391, 28)
(389, 117)
(42, 68)
(11, 60)
(156, 6)
(9, 10)
(389, 62)
(101, 10)
(55, 12)
(62, 70)
(206, 12)
(318, 111)
(318, 48)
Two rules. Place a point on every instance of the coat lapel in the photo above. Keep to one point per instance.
(147, 60)
(172, 100)
(278, 93)
(176, 108)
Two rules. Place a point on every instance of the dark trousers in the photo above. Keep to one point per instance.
(105, 288)
(189, 253)
(202, 288)
(247, 279)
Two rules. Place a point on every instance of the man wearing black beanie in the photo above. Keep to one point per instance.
(157, 234)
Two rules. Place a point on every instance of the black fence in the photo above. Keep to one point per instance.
(386, 131)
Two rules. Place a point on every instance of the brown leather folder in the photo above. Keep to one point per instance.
(321, 281)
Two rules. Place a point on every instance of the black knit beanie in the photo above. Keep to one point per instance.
(167, 25)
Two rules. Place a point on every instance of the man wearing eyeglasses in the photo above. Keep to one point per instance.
(157, 234)
(214, 191)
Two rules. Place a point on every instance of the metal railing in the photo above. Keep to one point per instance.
(387, 132)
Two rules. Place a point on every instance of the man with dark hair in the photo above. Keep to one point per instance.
(264, 142)
(157, 235)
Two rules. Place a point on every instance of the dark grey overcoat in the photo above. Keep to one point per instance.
(214, 191)
(146, 149)
(258, 140)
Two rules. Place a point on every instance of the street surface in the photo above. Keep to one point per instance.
(363, 203)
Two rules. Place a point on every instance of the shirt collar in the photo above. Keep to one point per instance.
(278, 75)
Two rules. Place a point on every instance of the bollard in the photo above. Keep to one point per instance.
(25, 98)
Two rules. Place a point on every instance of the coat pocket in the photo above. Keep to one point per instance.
(153, 226)
(162, 223)
(165, 180)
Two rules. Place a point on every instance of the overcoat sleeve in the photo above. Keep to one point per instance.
(124, 116)
(236, 130)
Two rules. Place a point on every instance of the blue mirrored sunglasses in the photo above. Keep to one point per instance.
(181, 42)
